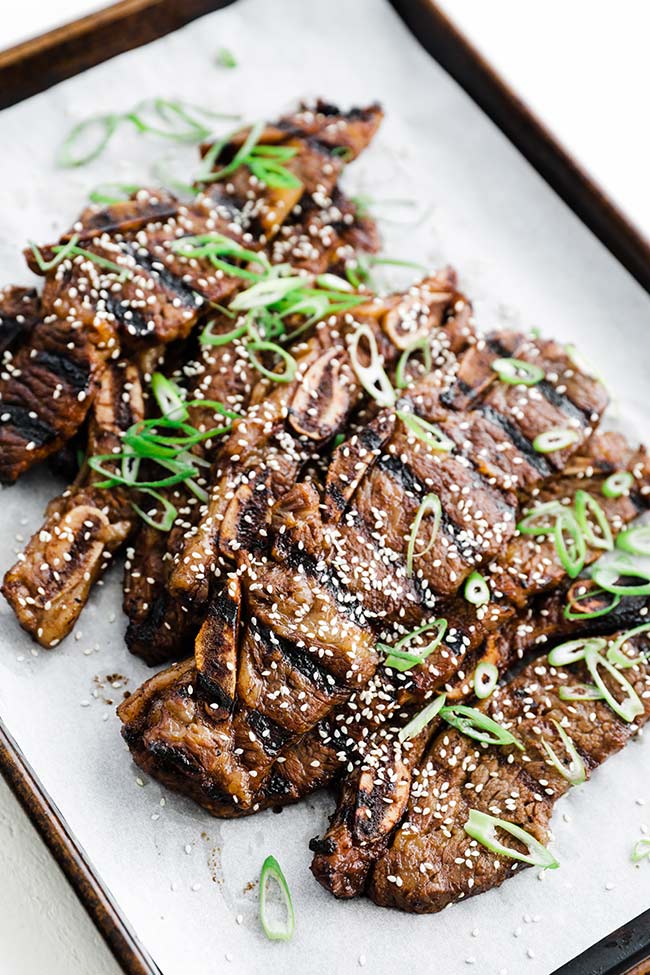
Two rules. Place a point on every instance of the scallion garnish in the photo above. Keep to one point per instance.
(557, 439)
(166, 521)
(573, 651)
(267, 292)
(615, 653)
(420, 345)
(215, 247)
(631, 706)
(476, 591)
(372, 377)
(402, 660)
(586, 506)
(479, 726)
(225, 58)
(109, 193)
(60, 254)
(421, 719)
(486, 676)
(265, 162)
(272, 872)
(575, 772)
(574, 609)
(641, 850)
(287, 375)
(579, 692)
(176, 120)
(429, 505)
(70, 250)
(635, 540)
(617, 484)
(483, 828)
(569, 543)
(540, 520)
(516, 372)
(608, 576)
(427, 432)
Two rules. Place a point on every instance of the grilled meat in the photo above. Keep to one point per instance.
(432, 861)
(49, 584)
(19, 311)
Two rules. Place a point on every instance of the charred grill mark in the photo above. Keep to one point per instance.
(523, 445)
(130, 318)
(172, 757)
(500, 350)
(213, 690)
(303, 661)
(276, 786)
(183, 291)
(300, 561)
(448, 398)
(75, 376)
(30, 428)
(562, 402)
(270, 735)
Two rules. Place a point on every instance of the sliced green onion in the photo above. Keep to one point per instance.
(226, 58)
(635, 540)
(606, 577)
(618, 484)
(557, 439)
(420, 345)
(486, 676)
(87, 140)
(373, 378)
(60, 254)
(573, 651)
(74, 251)
(479, 726)
(571, 551)
(427, 432)
(109, 193)
(483, 828)
(206, 173)
(641, 850)
(476, 591)
(422, 719)
(332, 282)
(631, 706)
(579, 692)
(272, 174)
(272, 872)
(402, 660)
(168, 517)
(615, 653)
(573, 611)
(517, 372)
(540, 520)
(586, 505)
(168, 397)
(266, 292)
(575, 772)
(290, 364)
(430, 504)
(208, 337)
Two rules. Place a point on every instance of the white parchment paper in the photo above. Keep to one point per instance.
(185, 881)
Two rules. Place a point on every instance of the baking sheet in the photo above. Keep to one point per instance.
(186, 882)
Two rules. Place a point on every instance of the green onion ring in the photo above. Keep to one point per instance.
(271, 871)
(421, 719)
(635, 540)
(615, 653)
(579, 692)
(605, 576)
(571, 652)
(486, 676)
(476, 591)
(108, 125)
(529, 526)
(589, 594)
(571, 555)
(556, 439)
(208, 337)
(516, 372)
(586, 505)
(482, 827)
(641, 850)
(402, 660)
(290, 364)
(431, 503)
(168, 397)
(373, 378)
(618, 484)
(266, 292)
(110, 193)
(420, 345)
(60, 254)
(168, 518)
(575, 772)
(479, 726)
(628, 709)
(427, 432)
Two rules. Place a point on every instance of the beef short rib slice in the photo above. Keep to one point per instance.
(432, 862)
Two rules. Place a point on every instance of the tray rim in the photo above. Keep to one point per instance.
(80, 44)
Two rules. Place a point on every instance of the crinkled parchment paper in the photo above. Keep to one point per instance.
(526, 261)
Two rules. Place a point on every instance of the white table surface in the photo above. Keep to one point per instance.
(582, 67)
